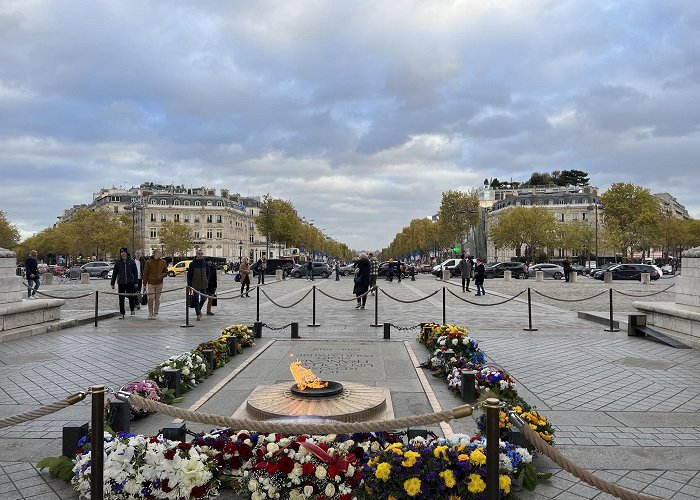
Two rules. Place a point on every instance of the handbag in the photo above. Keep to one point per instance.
(214, 301)
(238, 277)
(193, 299)
(144, 299)
(358, 279)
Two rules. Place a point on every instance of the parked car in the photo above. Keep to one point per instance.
(384, 267)
(667, 269)
(179, 268)
(74, 271)
(58, 270)
(274, 264)
(629, 272)
(549, 270)
(449, 264)
(97, 269)
(320, 269)
(347, 269)
(517, 269)
(603, 267)
(580, 270)
(424, 268)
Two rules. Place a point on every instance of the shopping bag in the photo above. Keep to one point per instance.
(144, 299)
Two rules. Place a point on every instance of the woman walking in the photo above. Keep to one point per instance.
(244, 269)
(361, 281)
(479, 278)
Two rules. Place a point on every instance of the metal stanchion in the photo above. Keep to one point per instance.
(337, 271)
(187, 309)
(313, 314)
(444, 307)
(257, 330)
(376, 307)
(209, 359)
(97, 303)
(529, 313)
(612, 324)
(467, 384)
(413, 273)
(231, 345)
(295, 330)
(387, 331)
(97, 442)
(493, 408)
(257, 304)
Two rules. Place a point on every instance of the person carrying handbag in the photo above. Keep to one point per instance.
(244, 271)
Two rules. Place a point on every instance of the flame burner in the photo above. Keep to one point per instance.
(331, 389)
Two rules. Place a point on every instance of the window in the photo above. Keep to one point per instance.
(209, 219)
(116, 210)
(219, 233)
(196, 233)
(153, 201)
(574, 216)
(209, 203)
(176, 217)
(176, 202)
(251, 239)
(187, 203)
(153, 217)
(154, 233)
(561, 219)
(219, 204)
(116, 198)
(162, 218)
(196, 219)
(583, 216)
(219, 219)
(209, 233)
(163, 202)
(197, 203)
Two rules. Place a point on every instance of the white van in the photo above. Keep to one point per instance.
(449, 264)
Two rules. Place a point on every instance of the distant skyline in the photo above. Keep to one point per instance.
(360, 113)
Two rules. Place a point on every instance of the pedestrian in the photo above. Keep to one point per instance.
(198, 282)
(361, 281)
(211, 285)
(225, 267)
(391, 266)
(310, 270)
(567, 269)
(262, 268)
(373, 272)
(399, 269)
(244, 270)
(464, 271)
(155, 270)
(140, 263)
(32, 271)
(479, 278)
(124, 274)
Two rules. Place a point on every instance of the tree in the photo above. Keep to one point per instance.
(575, 236)
(279, 222)
(538, 179)
(531, 226)
(9, 234)
(632, 215)
(459, 212)
(573, 178)
(175, 237)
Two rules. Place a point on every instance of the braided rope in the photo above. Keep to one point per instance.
(408, 301)
(289, 306)
(645, 295)
(570, 300)
(295, 427)
(486, 305)
(65, 298)
(579, 472)
(42, 411)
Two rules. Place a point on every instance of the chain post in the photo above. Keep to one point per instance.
(493, 408)
(97, 443)
(97, 303)
(529, 313)
(313, 302)
(612, 324)
(295, 330)
(376, 307)
(257, 303)
(187, 309)
(387, 331)
(444, 307)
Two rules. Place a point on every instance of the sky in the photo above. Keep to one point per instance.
(361, 113)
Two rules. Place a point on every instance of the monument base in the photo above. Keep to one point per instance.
(18, 316)
(678, 321)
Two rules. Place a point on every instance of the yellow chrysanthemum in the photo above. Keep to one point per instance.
(517, 409)
(463, 457)
(453, 497)
(440, 452)
(410, 458)
(448, 477)
(460, 448)
(533, 427)
(477, 457)
(373, 461)
(504, 483)
(476, 484)
(546, 436)
(412, 486)
(383, 471)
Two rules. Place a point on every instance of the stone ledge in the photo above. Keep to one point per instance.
(30, 306)
(670, 308)
(52, 326)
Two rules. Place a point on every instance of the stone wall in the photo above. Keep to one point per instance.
(11, 288)
(688, 284)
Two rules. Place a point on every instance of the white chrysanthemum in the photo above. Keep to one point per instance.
(526, 456)
(272, 447)
(330, 490)
(321, 472)
(505, 465)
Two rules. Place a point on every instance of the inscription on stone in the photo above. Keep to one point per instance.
(328, 360)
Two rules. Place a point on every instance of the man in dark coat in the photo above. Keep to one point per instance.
(32, 270)
(211, 285)
(198, 281)
(480, 275)
(361, 281)
(567, 269)
(125, 275)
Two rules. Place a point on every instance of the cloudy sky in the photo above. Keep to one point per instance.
(359, 112)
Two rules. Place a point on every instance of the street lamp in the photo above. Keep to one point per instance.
(595, 205)
(133, 205)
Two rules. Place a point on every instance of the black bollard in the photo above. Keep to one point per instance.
(529, 313)
(337, 271)
(413, 273)
(313, 312)
(172, 380)
(612, 323)
(257, 304)
(376, 307)
(97, 303)
(97, 441)
(120, 416)
(175, 432)
(295, 330)
(467, 385)
(231, 345)
(187, 309)
(257, 330)
(71, 435)
(444, 307)
(387, 331)
(493, 408)
(209, 358)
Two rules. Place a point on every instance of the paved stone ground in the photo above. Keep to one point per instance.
(625, 407)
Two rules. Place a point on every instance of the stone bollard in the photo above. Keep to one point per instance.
(46, 279)
(446, 275)
(278, 274)
(539, 275)
(572, 276)
(607, 277)
(507, 276)
(84, 278)
(646, 278)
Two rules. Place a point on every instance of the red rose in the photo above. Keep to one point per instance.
(279, 436)
(345, 497)
(323, 446)
(184, 446)
(230, 448)
(308, 468)
(359, 452)
(164, 486)
(243, 436)
(219, 446)
(169, 454)
(259, 453)
(333, 471)
(285, 465)
(271, 468)
(199, 491)
(301, 439)
(236, 463)
(245, 451)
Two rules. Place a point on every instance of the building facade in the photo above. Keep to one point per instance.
(669, 205)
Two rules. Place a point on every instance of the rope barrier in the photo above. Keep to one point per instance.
(289, 306)
(408, 301)
(570, 300)
(42, 411)
(645, 295)
(353, 298)
(65, 298)
(574, 469)
(300, 427)
(486, 305)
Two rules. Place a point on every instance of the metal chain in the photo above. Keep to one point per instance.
(646, 295)
(570, 300)
(409, 301)
(404, 328)
(487, 305)
(276, 328)
(289, 306)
